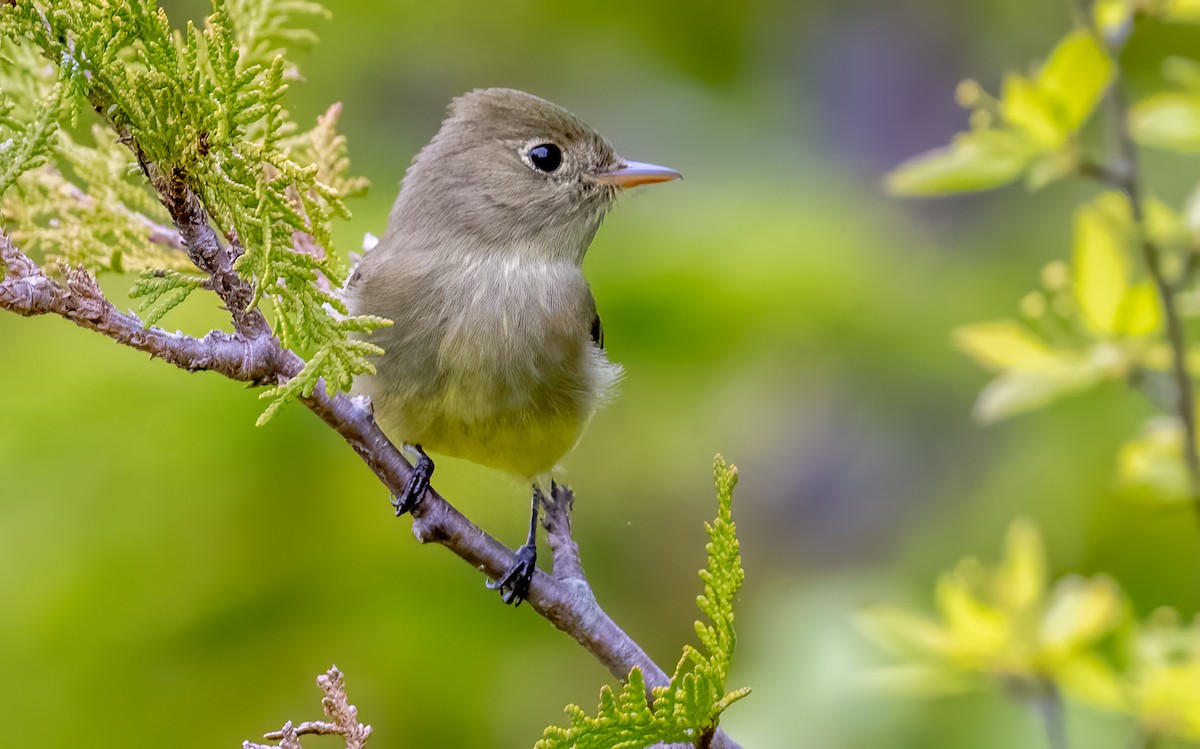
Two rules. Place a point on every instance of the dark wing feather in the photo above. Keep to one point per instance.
(597, 331)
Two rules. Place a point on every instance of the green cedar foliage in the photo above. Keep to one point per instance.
(689, 708)
(198, 110)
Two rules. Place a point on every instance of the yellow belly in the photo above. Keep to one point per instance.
(527, 448)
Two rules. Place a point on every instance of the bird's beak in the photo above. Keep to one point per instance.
(633, 173)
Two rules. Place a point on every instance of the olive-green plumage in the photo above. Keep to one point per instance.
(494, 355)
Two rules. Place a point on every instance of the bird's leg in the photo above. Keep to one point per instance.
(514, 583)
(418, 482)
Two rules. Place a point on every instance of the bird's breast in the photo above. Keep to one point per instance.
(519, 374)
(490, 357)
(516, 335)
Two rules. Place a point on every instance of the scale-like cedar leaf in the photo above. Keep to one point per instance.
(163, 291)
(690, 706)
(202, 108)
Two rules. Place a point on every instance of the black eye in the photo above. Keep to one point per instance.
(546, 157)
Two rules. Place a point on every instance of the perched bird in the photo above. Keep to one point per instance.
(497, 351)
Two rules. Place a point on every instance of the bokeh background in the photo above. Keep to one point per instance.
(171, 574)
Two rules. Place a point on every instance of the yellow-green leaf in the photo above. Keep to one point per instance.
(901, 633)
(1005, 344)
(1026, 106)
(977, 630)
(1151, 466)
(976, 160)
(1052, 167)
(1141, 312)
(1169, 699)
(1190, 218)
(1181, 11)
(1182, 71)
(1075, 77)
(1088, 678)
(1168, 120)
(1165, 226)
(1021, 578)
(1081, 612)
(1100, 265)
(1160, 357)
(1015, 392)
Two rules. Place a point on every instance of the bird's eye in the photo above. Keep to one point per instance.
(545, 158)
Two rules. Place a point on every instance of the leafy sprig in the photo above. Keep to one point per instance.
(689, 708)
(1031, 130)
(1104, 315)
(1012, 627)
(162, 291)
(1117, 310)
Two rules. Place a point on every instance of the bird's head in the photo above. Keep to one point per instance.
(510, 172)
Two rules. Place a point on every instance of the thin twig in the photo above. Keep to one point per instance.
(1078, 12)
(1124, 174)
(1191, 264)
(1175, 331)
(1048, 705)
(557, 521)
(1102, 173)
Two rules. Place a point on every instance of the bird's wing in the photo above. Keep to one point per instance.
(597, 331)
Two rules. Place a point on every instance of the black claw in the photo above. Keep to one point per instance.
(514, 583)
(561, 495)
(418, 483)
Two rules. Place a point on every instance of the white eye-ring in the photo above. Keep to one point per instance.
(544, 157)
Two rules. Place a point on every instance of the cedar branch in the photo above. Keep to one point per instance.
(564, 599)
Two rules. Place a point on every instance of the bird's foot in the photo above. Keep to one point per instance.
(514, 583)
(560, 502)
(418, 483)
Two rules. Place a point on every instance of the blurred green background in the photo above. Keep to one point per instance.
(170, 573)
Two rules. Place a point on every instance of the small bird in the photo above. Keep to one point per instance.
(497, 353)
